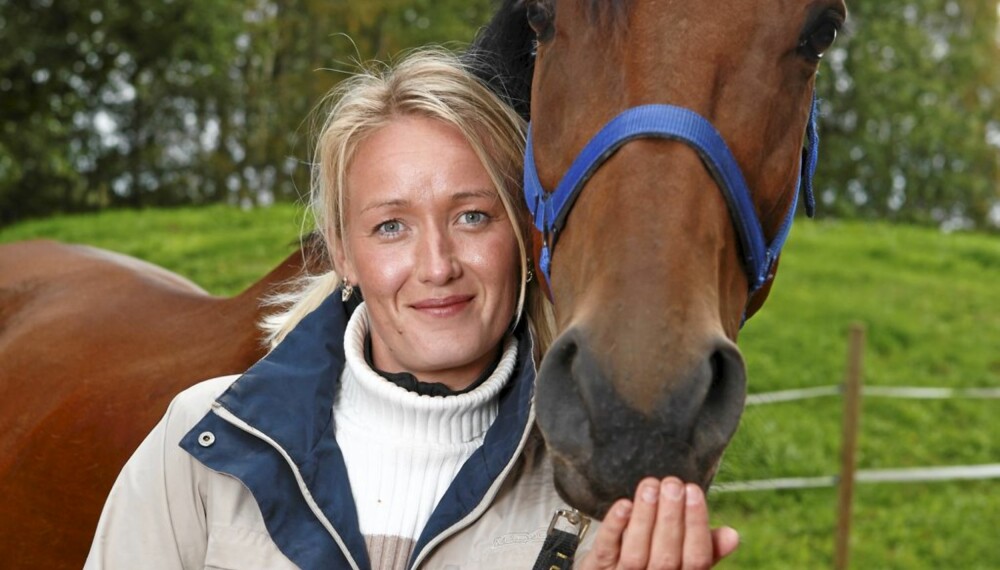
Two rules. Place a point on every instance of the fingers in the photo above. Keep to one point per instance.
(638, 534)
(724, 540)
(668, 536)
(607, 542)
(665, 527)
(698, 548)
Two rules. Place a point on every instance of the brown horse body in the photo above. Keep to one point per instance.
(93, 346)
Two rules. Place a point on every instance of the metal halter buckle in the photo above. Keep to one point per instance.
(579, 522)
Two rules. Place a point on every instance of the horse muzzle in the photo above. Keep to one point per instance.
(602, 446)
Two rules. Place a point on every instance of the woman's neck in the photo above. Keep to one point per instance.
(458, 378)
(427, 387)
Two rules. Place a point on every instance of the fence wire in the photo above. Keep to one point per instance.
(906, 392)
(907, 475)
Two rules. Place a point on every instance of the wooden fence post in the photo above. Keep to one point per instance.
(849, 442)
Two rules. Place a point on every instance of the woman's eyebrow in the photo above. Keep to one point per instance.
(488, 193)
(399, 202)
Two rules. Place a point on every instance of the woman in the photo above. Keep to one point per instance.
(395, 432)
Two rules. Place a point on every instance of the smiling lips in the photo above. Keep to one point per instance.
(443, 306)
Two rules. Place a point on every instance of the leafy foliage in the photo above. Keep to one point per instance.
(912, 118)
(108, 103)
(101, 101)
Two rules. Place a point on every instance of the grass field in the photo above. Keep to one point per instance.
(931, 307)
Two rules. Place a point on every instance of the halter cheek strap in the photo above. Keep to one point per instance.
(550, 210)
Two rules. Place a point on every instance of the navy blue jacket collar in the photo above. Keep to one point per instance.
(288, 397)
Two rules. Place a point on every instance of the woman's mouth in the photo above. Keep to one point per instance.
(443, 306)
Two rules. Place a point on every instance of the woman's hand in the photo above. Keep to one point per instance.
(666, 526)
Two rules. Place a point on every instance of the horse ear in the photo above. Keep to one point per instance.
(758, 297)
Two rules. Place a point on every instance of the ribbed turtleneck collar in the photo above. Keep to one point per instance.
(370, 401)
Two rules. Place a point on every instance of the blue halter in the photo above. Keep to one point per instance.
(550, 210)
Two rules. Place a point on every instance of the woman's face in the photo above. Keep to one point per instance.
(430, 244)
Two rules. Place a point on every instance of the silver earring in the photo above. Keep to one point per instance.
(530, 276)
(346, 290)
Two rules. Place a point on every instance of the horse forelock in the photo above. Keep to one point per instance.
(502, 55)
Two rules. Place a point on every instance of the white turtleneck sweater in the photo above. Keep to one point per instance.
(403, 449)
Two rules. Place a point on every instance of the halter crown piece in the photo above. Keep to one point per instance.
(550, 210)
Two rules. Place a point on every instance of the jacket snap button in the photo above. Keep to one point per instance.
(206, 438)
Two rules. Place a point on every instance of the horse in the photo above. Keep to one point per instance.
(93, 346)
(651, 121)
(654, 273)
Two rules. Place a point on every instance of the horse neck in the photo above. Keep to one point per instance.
(308, 259)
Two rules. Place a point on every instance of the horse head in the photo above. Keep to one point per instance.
(661, 234)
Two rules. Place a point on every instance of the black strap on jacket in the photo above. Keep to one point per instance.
(559, 548)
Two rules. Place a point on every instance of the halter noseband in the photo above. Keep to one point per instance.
(550, 210)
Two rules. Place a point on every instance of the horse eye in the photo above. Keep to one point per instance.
(815, 44)
(540, 16)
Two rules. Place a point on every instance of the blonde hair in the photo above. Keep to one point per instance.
(431, 83)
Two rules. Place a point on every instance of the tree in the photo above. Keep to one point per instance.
(907, 119)
(293, 52)
(106, 103)
(108, 100)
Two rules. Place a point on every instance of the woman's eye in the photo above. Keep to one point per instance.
(473, 218)
(389, 227)
(816, 43)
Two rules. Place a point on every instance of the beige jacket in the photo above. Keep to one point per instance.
(256, 483)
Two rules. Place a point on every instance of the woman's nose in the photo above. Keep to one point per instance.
(437, 263)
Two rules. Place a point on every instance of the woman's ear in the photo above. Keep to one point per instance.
(341, 263)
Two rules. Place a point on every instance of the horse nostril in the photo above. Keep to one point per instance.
(560, 398)
(717, 382)
(727, 389)
(563, 353)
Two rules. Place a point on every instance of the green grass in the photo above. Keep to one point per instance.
(930, 304)
(223, 249)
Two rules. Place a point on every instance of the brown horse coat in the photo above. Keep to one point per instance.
(93, 346)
